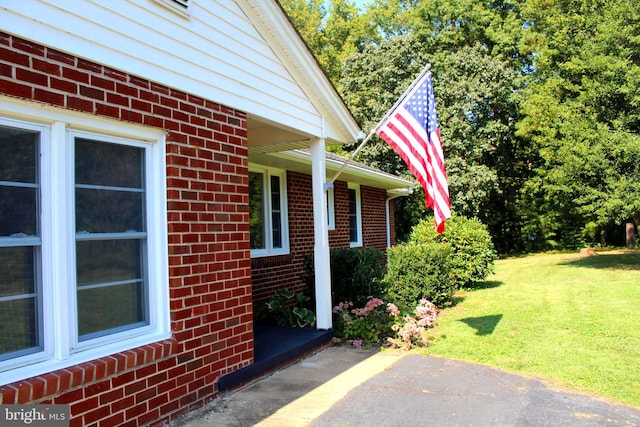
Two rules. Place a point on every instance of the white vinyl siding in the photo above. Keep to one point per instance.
(218, 53)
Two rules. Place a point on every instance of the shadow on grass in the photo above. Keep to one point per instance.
(484, 325)
(628, 260)
(488, 284)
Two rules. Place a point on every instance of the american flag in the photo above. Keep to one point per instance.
(412, 131)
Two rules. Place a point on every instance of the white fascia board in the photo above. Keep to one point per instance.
(277, 28)
(353, 172)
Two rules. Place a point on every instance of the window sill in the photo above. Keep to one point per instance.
(52, 383)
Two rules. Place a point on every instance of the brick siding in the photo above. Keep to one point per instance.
(208, 234)
(374, 224)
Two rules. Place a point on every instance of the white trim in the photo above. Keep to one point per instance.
(44, 289)
(269, 250)
(58, 237)
(336, 121)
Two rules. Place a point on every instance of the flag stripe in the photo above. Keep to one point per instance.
(412, 131)
(411, 149)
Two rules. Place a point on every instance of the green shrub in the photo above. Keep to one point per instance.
(286, 308)
(356, 274)
(420, 271)
(474, 254)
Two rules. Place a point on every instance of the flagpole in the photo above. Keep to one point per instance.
(424, 71)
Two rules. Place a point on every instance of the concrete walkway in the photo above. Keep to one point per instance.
(341, 386)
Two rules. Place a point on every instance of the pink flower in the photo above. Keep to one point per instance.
(393, 309)
(356, 343)
(342, 306)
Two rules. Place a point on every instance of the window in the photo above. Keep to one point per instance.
(269, 234)
(355, 221)
(110, 237)
(331, 212)
(83, 251)
(20, 243)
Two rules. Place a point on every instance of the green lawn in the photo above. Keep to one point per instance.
(568, 318)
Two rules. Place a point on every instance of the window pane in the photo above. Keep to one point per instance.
(103, 309)
(106, 211)
(17, 271)
(256, 210)
(103, 261)
(353, 216)
(105, 164)
(19, 191)
(18, 155)
(19, 288)
(276, 212)
(18, 211)
(18, 327)
(111, 276)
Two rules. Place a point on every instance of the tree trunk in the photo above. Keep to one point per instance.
(631, 235)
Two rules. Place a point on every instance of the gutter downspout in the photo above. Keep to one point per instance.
(387, 219)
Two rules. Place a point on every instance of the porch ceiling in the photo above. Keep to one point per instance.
(265, 137)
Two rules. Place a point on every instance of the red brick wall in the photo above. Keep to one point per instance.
(339, 237)
(272, 273)
(374, 225)
(209, 256)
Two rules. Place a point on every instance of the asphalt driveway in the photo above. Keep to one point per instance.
(340, 386)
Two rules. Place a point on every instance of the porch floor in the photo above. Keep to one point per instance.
(274, 346)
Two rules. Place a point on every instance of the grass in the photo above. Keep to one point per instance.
(567, 318)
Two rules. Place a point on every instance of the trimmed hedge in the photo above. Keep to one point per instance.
(474, 253)
(417, 271)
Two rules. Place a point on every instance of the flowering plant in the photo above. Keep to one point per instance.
(376, 321)
(411, 330)
(362, 325)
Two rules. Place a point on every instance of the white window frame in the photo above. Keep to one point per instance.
(269, 250)
(60, 346)
(357, 243)
(331, 209)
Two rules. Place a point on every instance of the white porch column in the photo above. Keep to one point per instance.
(322, 264)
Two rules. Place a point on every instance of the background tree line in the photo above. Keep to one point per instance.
(538, 102)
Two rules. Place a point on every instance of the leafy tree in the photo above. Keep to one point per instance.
(537, 99)
(475, 95)
(582, 114)
(332, 30)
